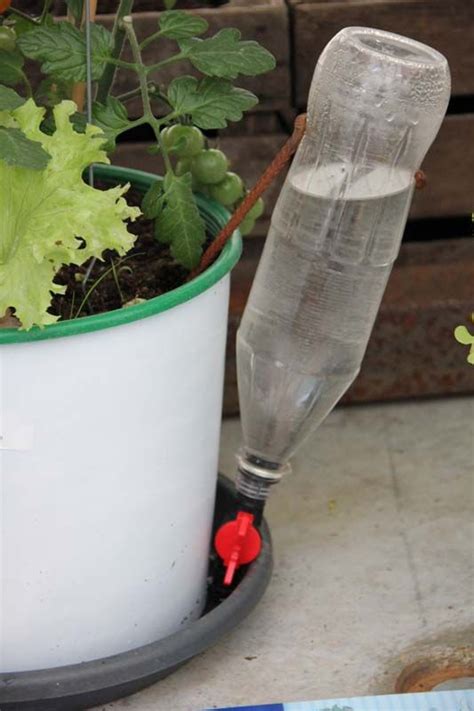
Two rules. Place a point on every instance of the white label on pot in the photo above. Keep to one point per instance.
(19, 439)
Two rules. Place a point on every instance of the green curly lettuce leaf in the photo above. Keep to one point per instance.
(52, 217)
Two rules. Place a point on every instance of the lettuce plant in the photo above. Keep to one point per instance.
(50, 216)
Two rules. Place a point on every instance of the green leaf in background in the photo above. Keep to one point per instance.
(112, 118)
(169, 4)
(77, 119)
(9, 99)
(62, 50)
(18, 150)
(210, 102)
(51, 92)
(11, 67)
(153, 199)
(179, 222)
(76, 8)
(225, 56)
(462, 335)
(178, 25)
(79, 122)
(21, 25)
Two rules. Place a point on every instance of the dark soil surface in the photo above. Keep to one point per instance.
(147, 270)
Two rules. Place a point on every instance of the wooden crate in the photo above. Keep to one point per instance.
(445, 25)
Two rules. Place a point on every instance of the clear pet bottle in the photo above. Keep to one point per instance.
(375, 106)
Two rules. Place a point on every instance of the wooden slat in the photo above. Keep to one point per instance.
(292, 3)
(447, 26)
(412, 351)
(265, 21)
(110, 6)
(449, 167)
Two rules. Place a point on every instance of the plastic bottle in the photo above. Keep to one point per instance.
(376, 103)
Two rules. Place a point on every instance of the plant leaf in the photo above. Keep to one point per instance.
(462, 335)
(169, 4)
(46, 213)
(78, 121)
(153, 199)
(9, 99)
(225, 56)
(178, 25)
(11, 64)
(62, 50)
(112, 119)
(210, 102)
(179, 223)
(18, 150)
(76, 8)
(21, 24)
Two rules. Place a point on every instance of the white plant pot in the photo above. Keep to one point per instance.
(108, 461)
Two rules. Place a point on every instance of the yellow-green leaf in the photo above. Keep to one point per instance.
(52, 217)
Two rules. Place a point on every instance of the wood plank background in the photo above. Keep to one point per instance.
(447, 26)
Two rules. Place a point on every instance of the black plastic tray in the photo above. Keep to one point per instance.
(81, 686)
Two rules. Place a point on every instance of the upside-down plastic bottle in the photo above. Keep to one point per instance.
(375, 106)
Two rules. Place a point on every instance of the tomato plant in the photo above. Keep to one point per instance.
(178, 114)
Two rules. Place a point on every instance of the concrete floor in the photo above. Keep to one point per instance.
(374, 563)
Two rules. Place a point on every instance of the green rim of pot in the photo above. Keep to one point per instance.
(215, 217)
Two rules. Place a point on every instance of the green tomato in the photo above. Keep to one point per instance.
(210, 166)
(256, 210)
(7, 39)
(184, 141)
(247, 225)
(229, 190)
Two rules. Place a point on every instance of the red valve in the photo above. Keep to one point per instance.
(237, 542)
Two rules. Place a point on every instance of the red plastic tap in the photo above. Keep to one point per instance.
(237, 542)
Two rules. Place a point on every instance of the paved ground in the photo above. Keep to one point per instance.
(374, 563)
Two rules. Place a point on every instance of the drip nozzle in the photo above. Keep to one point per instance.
(238, 542)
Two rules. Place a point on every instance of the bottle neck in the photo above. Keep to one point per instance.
(255, 478)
